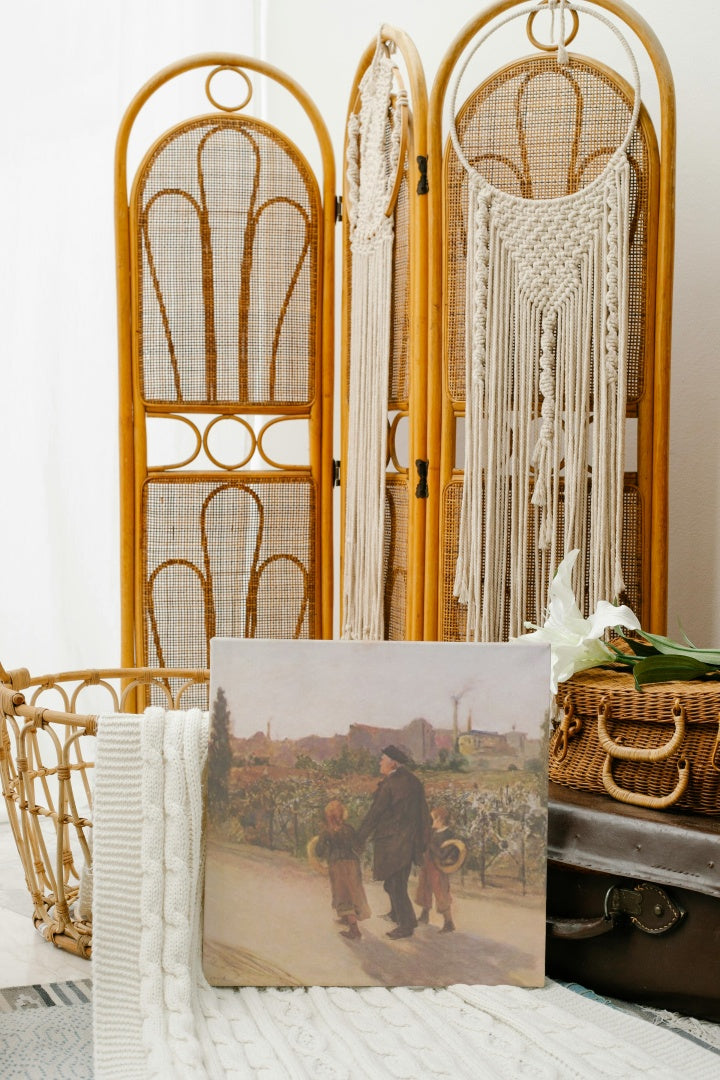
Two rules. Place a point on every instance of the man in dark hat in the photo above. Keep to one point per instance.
(399, 823)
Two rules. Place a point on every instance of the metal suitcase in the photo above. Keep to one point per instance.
(634, 902)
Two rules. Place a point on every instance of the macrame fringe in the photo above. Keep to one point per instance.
(372, 162)
(546, 351)
(547, 304)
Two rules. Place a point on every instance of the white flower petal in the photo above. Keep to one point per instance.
(563, 609)
(607, 615)
(575, 641)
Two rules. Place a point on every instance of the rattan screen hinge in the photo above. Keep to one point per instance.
(335, 473)
(421, 490)
(338, 208)
(423, 186)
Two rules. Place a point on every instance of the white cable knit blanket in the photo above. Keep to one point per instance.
(156, 1016)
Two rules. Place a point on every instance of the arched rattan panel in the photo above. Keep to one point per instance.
(540, 130)
(225, 290)
(407, 425)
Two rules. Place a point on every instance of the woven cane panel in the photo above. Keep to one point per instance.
(453, 621)
(398, 390)
(233, 558)
(396, 556)
(540, 131)
(226, 230)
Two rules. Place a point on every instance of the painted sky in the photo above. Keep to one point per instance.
(321, 687)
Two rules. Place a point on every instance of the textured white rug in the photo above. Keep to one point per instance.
(156, 1016)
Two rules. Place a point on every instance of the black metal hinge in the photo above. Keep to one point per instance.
(422, 187)
(421, 491)
(336, 473)
(338, 208)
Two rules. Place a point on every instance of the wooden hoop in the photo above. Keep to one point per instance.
(551, 48)
(238, 71)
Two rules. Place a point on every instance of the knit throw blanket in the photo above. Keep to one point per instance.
(156, 1016)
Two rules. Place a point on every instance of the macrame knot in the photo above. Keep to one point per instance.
(559, 5)
(541, 459)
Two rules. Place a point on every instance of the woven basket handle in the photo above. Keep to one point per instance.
(615, 751)
(639, 754)
(652, 802)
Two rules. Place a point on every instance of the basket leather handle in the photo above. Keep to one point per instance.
(635, 753)
(635, 798)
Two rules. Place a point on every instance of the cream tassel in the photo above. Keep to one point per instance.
(370, 172)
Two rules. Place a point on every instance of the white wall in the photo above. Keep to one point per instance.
(67, 73)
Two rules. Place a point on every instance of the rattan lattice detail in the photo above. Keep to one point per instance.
(399, 388)
(234, 558)
(226, 214)
(539, 130)
(453, 614)
(396, 555)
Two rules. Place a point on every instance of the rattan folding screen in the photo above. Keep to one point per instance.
(225, 288)
(225, 255)
(540, 130)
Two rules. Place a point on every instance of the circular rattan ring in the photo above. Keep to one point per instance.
(238, 71)
(216, 461)
(551, 48)
(391, 450)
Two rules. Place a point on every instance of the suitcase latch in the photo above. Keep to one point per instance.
(646, 905)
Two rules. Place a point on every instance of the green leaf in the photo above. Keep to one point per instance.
(655, 669)
(672, 648)
(640, 648)
(620, 657)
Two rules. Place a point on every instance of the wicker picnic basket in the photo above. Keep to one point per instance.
(658, 747)
(46, 758)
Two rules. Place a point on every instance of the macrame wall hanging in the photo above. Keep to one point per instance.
(375, 160)
(546, 340)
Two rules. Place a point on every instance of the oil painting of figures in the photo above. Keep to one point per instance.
(377, 813)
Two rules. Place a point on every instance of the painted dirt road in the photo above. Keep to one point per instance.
(268, 922)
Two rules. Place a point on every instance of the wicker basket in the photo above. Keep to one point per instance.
(659, 747)
(46, 754)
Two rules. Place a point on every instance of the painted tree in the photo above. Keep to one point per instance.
(219, 758)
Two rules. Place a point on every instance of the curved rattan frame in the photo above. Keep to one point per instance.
(52, 857)
(132, 410)
(653, 469)
(414, 407)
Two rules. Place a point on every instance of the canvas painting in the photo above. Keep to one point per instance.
(377, 813)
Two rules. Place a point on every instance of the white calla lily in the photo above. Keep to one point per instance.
(575, 642)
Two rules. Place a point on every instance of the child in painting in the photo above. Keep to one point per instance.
(338, 844)
(433, 879)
